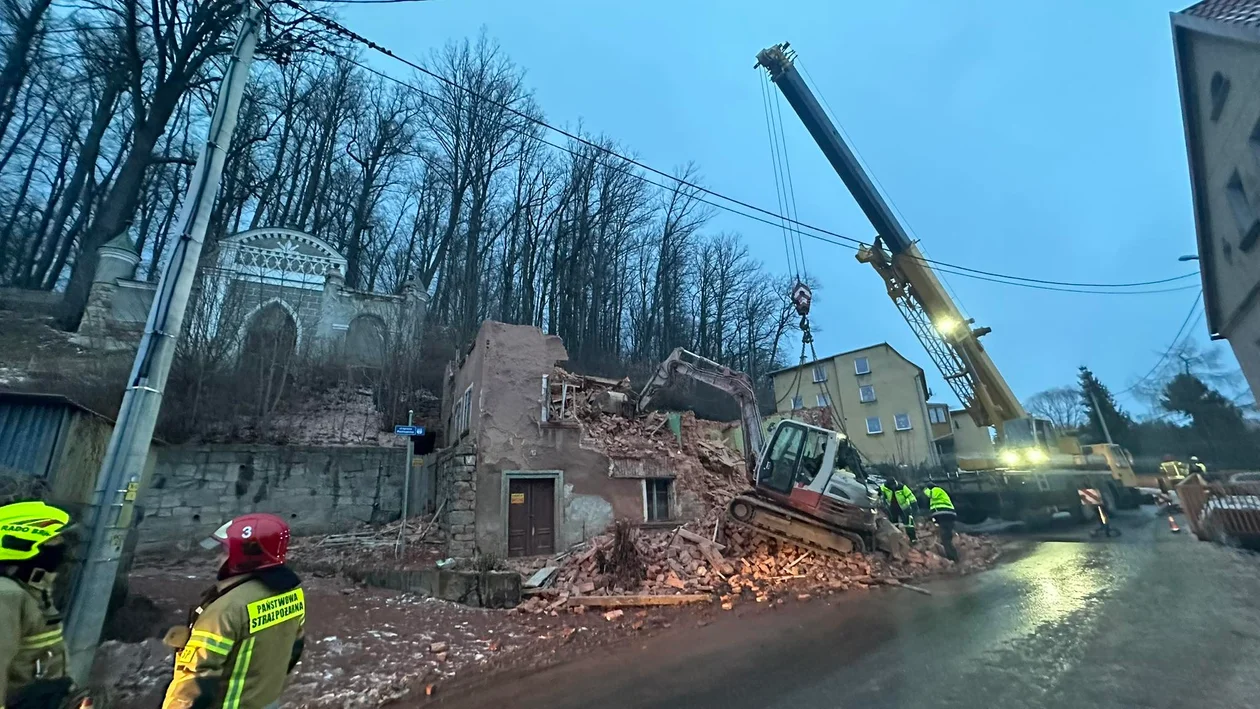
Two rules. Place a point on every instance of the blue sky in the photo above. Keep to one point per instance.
(1038, 138)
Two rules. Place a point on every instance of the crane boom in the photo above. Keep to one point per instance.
(950, 340)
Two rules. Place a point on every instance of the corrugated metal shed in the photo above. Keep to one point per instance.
(33, 428)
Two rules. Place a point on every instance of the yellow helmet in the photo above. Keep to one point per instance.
(27, 526)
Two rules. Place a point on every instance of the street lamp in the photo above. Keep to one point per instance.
(1188, 258)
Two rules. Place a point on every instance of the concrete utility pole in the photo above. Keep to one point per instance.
(117, 483)
(401, 547)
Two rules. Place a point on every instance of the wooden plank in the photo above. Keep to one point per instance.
(697, 539)
(541, 577)
(639, 600)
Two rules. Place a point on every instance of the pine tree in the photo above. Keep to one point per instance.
(1100, 406)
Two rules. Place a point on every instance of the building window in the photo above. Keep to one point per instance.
(902, 421)
(937, 414)
(873, 426)
(823, 400)
(1254, 141)
(820, 374)
(798, 402)
(656, 494)
(1219, 90)
(463, 412)
(1244, 213)
(861, 365)
(866, 393)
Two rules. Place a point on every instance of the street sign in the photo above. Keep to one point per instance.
(408, 430)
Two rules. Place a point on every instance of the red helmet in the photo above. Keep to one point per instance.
(252, 542)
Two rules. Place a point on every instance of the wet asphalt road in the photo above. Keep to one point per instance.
(1146, 620)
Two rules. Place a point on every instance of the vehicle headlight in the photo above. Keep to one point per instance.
(1036, 455)
(1010, 457)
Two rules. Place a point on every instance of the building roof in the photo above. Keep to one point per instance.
(1233, 19)
(851, 352)
(1243, 12)
(30, 397)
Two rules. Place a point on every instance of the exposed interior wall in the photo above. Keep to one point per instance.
(505, 368)
(317, 490)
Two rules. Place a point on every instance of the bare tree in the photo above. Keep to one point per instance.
(1061, 405)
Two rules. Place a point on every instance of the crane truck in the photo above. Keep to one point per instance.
(1035, 467)
(808, 485)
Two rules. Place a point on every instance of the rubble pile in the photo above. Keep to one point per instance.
(425, 542)
(747, 567)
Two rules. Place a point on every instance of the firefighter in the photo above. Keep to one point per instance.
(901, 502)
(1196, 466)
(33, 546)
(246, 635)
(942, 510)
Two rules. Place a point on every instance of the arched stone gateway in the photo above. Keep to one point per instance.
(299, 273)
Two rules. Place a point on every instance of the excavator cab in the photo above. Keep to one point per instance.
(806, 463)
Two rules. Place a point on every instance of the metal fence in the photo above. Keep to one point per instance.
(1222, 512)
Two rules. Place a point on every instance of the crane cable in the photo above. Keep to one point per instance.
(789, 251)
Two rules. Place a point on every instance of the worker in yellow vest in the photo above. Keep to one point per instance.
(1196, 466)
(244, 638)
(942, 510)
(33, 548)
(901, 502)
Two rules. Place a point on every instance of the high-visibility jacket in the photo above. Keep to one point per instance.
(938, 499)
(240, 644)
(904, 495)
(31, 646)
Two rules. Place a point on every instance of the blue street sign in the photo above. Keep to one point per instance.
(408, 430)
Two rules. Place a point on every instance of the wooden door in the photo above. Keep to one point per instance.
(531, 516)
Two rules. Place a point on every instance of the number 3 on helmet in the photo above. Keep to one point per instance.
(252, 542)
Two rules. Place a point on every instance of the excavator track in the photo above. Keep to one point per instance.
(765, 517)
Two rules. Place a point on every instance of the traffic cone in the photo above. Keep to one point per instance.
(1172, 525)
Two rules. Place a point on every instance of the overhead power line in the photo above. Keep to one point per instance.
(1172, 346)
(761, 214)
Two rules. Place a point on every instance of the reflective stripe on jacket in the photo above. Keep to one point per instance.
(240, 648)
(31, 646)
(938, 499)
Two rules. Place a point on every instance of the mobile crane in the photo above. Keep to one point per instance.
(1036, 467)
(808, 486)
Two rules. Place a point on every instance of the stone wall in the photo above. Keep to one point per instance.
(457, 497)
(317, 490)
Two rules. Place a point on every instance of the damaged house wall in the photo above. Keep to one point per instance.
(493, 404)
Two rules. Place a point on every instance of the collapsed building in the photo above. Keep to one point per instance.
(538, 459)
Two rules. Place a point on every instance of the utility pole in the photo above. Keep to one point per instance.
(117, 484)
(401, 547)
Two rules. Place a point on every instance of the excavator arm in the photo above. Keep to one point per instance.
(737, 384)
(950, 340)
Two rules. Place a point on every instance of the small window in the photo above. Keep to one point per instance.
(866, 393)
(823, 400)
(902, 421)
(656, 494)
(873, 426)
(464, 412)
(937, 415)
(862, 365)
(1219, 90)
(1244, 214)
(820, 374)
(798, 402)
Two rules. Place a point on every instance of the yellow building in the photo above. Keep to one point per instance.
(880, 396)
